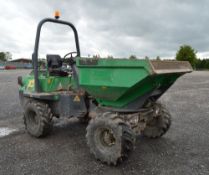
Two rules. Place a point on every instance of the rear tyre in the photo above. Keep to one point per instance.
(37, 119)
(159, 125)
(109, 140)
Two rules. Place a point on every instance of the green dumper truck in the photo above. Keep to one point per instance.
(117, 97)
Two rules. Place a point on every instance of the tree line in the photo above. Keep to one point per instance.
(5, 56)
(185, 53)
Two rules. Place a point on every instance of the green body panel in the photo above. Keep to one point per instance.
(47, 83)
(112, 82)
(117, 82)
(141, 88)
(110, 79)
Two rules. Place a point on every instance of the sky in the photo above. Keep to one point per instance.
(119, 28)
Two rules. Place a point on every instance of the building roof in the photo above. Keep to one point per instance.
(22, 60)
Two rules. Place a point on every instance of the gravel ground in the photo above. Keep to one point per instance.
(183, 150)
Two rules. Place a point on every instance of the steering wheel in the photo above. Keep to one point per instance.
(71, 55)
(70, 59)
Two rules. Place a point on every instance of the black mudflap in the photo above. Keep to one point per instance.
(71, 105)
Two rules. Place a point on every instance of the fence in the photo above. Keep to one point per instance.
(17, 65)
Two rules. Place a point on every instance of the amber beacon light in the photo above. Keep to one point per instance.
(57, 14)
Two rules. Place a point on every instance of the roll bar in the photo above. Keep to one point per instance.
(36, 47)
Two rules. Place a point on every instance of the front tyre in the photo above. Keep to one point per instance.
(37, 118)
(109, 140)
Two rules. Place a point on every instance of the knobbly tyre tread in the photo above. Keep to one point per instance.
(123, 133)
(45, 118)
(163, 125)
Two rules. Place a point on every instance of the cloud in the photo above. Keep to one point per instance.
(119, 28)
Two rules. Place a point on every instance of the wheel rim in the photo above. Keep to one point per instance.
(154, 122)
(107, 137)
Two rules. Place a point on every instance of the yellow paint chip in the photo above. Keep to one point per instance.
(104, 87)
(49, 81)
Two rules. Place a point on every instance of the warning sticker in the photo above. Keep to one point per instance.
(77, 98)
(30, 84)
(59, 86)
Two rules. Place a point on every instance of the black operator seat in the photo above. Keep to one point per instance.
(54, 63)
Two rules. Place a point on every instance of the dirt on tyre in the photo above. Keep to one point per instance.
(109, 141)
(159, 125)
(37, 119)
